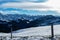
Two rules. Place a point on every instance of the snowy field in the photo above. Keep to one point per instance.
(34, 33)
(42, 31)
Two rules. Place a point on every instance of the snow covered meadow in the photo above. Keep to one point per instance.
(34, 33)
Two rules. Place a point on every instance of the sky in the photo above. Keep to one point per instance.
(23, 0)
(39, 5)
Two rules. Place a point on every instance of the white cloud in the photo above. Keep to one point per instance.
(55, 4)
(26, 5)
(49, 5)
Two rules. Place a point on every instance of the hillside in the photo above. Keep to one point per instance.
(17, 21)
(41, 30)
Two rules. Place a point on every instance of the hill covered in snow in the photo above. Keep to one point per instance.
(38, 31)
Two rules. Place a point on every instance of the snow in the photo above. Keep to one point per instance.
(42, 31)
(33, 31)
(3, 34)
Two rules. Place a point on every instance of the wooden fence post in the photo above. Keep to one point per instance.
(52, 32)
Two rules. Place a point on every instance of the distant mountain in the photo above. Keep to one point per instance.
(8, 17)
(43, 20)
(21, 19)
(17, 21)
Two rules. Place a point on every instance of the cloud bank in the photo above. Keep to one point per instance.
(6, 1)
(49, 5)
(53, 5)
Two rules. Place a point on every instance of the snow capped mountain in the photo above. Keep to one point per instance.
(8, 17)
(26, 21)
(39, 19)
(18, 13)
(21, 18)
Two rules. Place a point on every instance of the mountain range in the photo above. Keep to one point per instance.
(21, 19)
(18, 22)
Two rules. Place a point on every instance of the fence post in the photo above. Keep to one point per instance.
(52, 32)
(11, 32)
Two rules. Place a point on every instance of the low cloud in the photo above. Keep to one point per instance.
(25, 5)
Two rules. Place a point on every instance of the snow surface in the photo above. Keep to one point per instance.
(42, 31)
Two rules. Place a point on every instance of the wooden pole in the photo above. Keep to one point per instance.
(11, 33)
(52, 32)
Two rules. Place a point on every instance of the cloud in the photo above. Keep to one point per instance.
(49, 5)
(31, 12)
(33, 0)
(6, 1)
(55, 4)
(25, 5)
